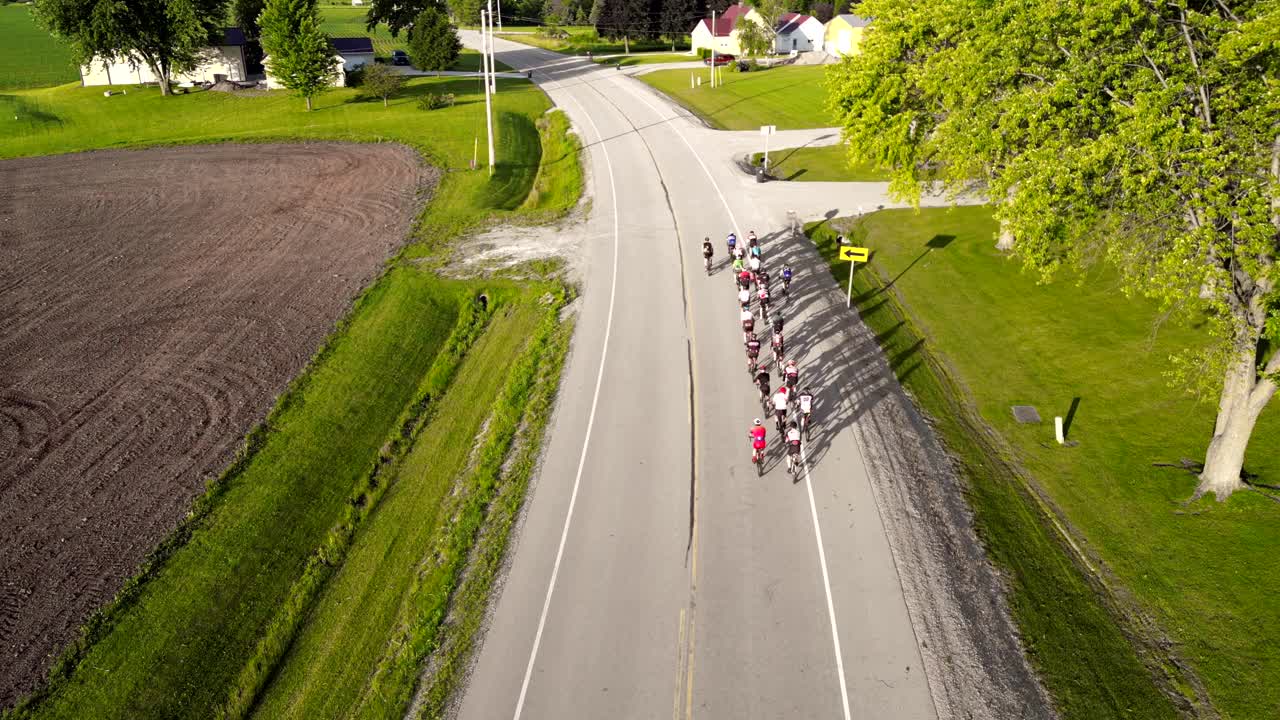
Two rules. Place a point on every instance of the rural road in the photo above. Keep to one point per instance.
(654, 573)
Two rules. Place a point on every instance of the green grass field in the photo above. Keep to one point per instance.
(829, 163)
(789, 97)
(584, 38)
(225, 597)
(1205, 572)
(347, 21)
(647, 58)
(29, 56)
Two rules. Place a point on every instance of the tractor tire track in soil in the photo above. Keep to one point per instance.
(153, 304)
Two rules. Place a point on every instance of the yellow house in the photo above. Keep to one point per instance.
(843, 36)
(723, 38)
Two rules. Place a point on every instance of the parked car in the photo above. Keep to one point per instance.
(720, 60)
(399, 57)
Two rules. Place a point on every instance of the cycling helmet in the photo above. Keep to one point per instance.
(758, 421)
(732, 236)
(805, 392)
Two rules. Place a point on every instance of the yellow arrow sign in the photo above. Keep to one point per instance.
(857, 254)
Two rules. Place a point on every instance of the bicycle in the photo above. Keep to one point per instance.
(757, 459)
(706, 261)
(804, 425)
(794, 464)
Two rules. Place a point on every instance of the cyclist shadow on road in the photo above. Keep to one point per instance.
(839, 361)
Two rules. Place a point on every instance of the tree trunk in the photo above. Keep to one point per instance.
(1244, 395)
(1005, 242)
(626, 45)
(384, 101)
(308, 103)
(164, 85)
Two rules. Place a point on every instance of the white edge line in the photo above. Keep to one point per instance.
(591, 418)
(813, 508)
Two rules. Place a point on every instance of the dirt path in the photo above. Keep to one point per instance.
(152, 306)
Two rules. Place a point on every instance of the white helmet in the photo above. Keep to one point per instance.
(757, 421)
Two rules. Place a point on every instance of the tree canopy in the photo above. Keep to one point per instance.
(752, 36)
(168, 36)
(433, 41)
(299, 53)
(399, 15)
(1137, 132)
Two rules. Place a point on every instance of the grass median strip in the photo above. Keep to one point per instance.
(329, 664)
(828, 163)
(940, 296)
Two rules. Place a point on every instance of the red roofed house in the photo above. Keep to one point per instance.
(798, 32)
(723, 38)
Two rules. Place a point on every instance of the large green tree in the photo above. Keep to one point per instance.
(433, 41)
(753, 38)
(677, 19)
(1141, 132)
(168, 36)
(298, 52)
(398, 15)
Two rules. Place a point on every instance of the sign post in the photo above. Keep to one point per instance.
(854, 255)
(766, 131)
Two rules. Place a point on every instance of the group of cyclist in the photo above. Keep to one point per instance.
(752, 282)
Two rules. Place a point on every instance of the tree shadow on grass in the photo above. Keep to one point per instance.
(27, 115)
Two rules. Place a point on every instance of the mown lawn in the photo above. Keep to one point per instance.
(789, 97)
(29, 56)
(829, 163)
(1205, 571)
(180, 640)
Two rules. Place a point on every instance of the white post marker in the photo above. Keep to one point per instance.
(499, 15)
(1057, 429)
(766, 131)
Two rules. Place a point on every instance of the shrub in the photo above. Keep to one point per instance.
(355, 77)
(431, 101)
(704, 53)
(552, 32)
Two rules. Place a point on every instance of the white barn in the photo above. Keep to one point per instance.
(225, 59)
(350, 53)
(798, 32)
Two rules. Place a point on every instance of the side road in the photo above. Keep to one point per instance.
(906, 581)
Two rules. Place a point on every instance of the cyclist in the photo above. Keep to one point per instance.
(804, 403)
(791, 374)
(793, 446)
(753, 351)
(786, 279)
(744, 299)
(757, 435)
(762, 381)
(780, 403)
(779, 348)
(738, 266)
(764, 303)
(752, 240)
(777, 322)
(740, 252)
(744, 277)
(732, 242)
(748, 323)
(753, 262)
(762, 278)
(756, 252)
(707, 251)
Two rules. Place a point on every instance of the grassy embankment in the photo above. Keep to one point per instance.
(244, 571)
(1205, 572)
(828, 163)
(29, 56)
(790, 97)
(583, 39)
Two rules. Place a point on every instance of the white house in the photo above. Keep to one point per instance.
(226, 59)
(350, 53)
(722, 38)
(798, 32)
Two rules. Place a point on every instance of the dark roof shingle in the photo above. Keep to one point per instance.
(352, 45)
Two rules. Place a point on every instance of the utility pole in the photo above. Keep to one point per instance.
(488, 103)
(493, 81)
(713, 48)
(499, 15)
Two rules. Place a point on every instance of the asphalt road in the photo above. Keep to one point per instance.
(654, 573)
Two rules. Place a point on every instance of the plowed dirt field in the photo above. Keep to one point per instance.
(152, 306)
